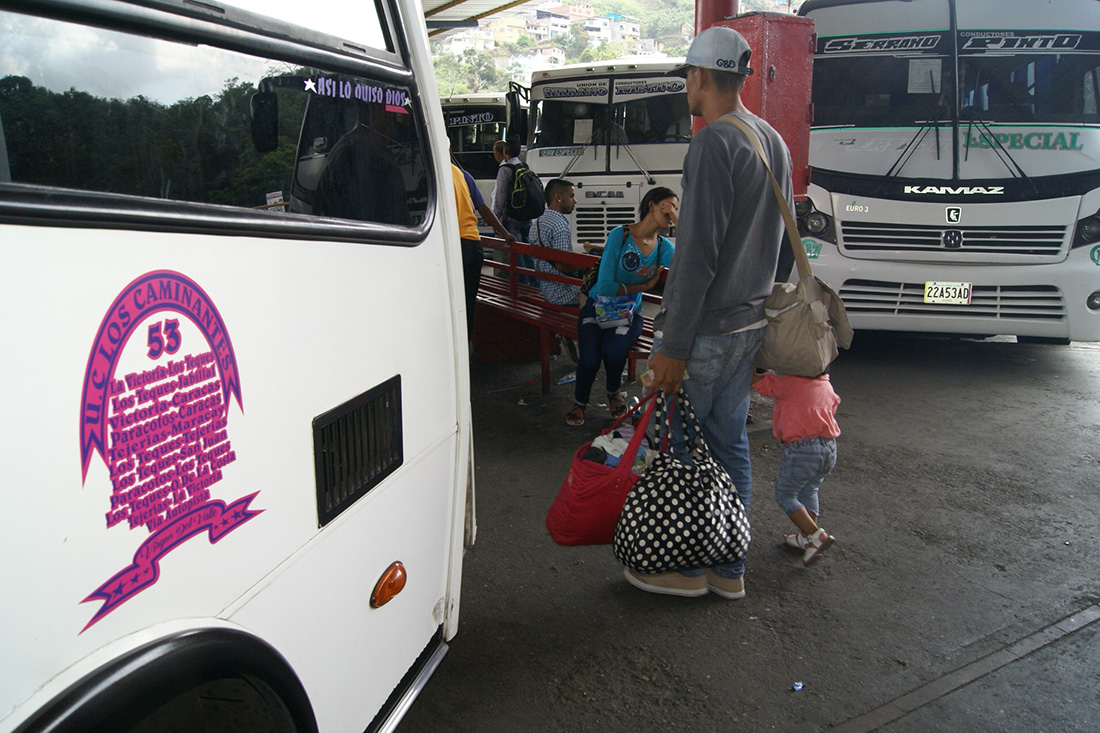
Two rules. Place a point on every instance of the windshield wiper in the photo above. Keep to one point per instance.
(648, 177)
(577, 157)
(591, 141)
(918, 137)
(996, 145)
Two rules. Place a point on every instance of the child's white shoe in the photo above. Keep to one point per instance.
(797, 540)
(816, 544)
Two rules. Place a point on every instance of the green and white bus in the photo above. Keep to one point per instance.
(956, 165)
(615, 130)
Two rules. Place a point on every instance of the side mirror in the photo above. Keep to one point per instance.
(517, 117)
(264, 111)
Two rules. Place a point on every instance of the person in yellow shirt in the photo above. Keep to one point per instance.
(468, 199)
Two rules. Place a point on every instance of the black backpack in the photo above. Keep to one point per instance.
(526, 199)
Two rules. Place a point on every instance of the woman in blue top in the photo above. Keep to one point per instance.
(632, 261)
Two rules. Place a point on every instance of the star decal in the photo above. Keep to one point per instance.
(311, 86)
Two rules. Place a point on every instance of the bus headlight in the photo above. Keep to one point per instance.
(816, 223)
(812, 222)
(1088, 231)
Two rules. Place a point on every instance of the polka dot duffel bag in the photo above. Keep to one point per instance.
(681, 514)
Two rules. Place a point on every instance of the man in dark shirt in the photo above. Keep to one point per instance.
(712, 321)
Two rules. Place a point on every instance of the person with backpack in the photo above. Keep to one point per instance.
(518, 198)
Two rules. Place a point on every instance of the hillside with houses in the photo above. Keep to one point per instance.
(510, 45)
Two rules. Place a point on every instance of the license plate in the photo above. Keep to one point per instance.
(947, 293)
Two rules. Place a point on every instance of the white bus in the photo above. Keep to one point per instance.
(615, 130)
(218, 230)
(474, 123)
(956, 164)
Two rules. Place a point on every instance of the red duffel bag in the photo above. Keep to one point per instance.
(591, 497)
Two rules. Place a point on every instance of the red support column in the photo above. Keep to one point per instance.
(713, 12)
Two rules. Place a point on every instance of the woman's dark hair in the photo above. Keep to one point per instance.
(654, 197)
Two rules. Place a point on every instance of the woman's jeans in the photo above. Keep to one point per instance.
(607, 345)
(719, 385)
(804, 465)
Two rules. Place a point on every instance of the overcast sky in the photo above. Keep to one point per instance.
(60, 56)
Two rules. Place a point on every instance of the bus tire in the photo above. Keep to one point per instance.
(204, 679)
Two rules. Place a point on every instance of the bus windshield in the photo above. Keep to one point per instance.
(879, 91)
(472, 133)
(655, 119)
(900, 91)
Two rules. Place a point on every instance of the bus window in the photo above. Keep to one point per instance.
(472, 146)
(1030, 88)
(881, 91)
(657, 119)
(358, 160)
(125, 114)
(565, 123)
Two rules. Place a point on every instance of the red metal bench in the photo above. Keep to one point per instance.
(501, 291)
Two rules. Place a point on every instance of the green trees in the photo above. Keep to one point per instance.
(473, 71)
(577, 43)
(192, 150)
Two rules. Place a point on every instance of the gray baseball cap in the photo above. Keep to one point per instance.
(718, 48)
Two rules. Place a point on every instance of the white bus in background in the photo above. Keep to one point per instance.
(956, 165)
(615, 130)
(211, 223)
(476, 121)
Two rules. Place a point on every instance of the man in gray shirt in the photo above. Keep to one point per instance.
(712, 320)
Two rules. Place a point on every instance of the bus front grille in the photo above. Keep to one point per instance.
(592, 223)
(356, 446)
(869, 237)
(1010, 302)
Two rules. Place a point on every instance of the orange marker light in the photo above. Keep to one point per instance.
(389, 585)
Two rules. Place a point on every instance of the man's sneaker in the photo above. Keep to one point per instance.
(671, 584)
(731, 588)
(817, 543)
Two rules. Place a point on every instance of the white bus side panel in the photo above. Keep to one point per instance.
(313, 324)
(317, 612)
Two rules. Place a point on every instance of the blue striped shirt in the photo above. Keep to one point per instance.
(552, 230)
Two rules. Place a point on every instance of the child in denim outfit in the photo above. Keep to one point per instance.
(803, 420)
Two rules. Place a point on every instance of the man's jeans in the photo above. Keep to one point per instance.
(719, 384)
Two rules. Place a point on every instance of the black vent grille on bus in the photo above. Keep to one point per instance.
(356, 446)
(1029, 302)
(592, 223)
(1007, 240)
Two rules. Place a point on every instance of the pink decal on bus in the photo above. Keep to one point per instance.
(155, 407)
